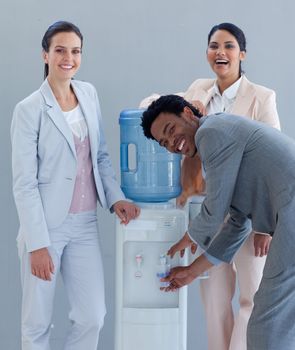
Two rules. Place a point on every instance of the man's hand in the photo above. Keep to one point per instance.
(182, 275)
(181, 245)
(179, 276)
(41, 264)
(126, 211)
(261, 244)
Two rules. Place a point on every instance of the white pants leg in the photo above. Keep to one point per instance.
(249, 273)
(217, 293)
(225, 332)
(75, 249)
(37, 303)
(82, 272)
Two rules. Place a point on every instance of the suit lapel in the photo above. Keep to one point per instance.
(245, 98)
(88, 107)
(205, 94)
(208, 95)
(55, 113)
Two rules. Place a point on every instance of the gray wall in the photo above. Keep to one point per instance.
(132, 48)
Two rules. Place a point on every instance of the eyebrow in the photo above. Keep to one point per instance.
(164, 132)
(64, 47)
(226, 42)
(165, 128)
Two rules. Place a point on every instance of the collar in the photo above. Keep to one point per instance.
(231, 92)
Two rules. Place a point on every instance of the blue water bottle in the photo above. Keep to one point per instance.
(154, 175)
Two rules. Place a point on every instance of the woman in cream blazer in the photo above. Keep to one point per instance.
(233, 93)
(226, 331)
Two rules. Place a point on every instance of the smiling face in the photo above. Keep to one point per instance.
(176, 134)
(64, 56)
(224, 55)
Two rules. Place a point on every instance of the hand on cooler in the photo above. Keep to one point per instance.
(182, 275)
(181, 245)
(126, 211)
(179, 276)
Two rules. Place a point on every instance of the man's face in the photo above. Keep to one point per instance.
(175, 133)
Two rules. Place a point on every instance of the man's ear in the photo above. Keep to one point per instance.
(188, 115)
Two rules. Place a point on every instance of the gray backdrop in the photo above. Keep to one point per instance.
(132, 48)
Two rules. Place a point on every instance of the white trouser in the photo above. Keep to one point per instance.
(226, 332)
(76, 254)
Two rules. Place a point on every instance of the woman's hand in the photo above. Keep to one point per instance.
(126, 211)
(181, 245)
(261, 244)
(199, 105)
(41, 264)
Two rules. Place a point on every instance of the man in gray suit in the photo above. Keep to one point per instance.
(250, 175)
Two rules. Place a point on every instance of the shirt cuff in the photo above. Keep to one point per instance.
(212, 259)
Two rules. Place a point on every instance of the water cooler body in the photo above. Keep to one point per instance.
(146, 317)
(149, 173)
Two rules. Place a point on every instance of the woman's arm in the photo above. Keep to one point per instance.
(24, 139)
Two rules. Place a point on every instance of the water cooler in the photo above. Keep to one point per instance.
(149, 173)
(146, 317)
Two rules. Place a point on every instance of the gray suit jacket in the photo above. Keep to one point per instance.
(44, 161)
(250, 173)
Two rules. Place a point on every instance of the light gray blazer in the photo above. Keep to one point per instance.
(250, 173)
(44, 161)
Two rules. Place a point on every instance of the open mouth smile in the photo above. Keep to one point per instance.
(66, 66)
(180, 144)
(221, 62)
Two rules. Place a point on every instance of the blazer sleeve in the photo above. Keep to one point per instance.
(24, 138)
(221, 160)
(111, 187)
(231, 236)
(267, 111)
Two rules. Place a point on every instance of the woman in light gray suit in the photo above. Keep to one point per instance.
(61, 168)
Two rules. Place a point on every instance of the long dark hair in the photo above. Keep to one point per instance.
(55, 28)
(236, 32)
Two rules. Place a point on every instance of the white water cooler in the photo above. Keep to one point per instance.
(146, 317)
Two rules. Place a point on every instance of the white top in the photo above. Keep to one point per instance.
(224, 102)
(220, 103)
(77, 123)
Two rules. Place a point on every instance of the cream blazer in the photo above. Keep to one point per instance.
(253, 101)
